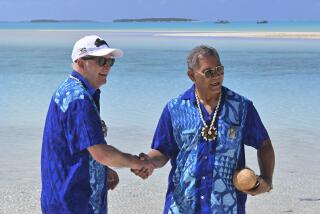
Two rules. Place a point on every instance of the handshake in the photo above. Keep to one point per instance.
(146, 166)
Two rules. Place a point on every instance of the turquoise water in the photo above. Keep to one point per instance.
(191, 26)
(281, 76)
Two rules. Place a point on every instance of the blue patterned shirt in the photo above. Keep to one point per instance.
(72, 181)
(200, 180)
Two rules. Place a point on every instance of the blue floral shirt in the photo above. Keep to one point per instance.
(72, 181)
(200, 180)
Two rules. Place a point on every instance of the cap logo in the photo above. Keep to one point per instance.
(83, 50)
(100, 42)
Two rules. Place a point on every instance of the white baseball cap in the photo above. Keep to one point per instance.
(93, 46)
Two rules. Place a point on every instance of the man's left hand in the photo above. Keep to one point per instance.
(112, 179)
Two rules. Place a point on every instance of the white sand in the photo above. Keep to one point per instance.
(133, 195)
(281, 35)
(172, 33)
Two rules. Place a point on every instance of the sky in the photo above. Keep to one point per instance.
(204, 10)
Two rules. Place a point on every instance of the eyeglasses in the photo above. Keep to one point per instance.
(214, 72)
(101, 61)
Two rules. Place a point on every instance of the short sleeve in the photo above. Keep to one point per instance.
(254, 131)
(163, 139)
(82, 126)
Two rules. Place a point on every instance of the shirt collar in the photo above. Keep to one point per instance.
(85, 83)
(190, 95)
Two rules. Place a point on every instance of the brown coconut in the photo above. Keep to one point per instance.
(245, 179)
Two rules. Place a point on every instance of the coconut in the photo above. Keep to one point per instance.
(245, 179)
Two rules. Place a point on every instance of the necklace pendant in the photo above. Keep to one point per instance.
(209, 134)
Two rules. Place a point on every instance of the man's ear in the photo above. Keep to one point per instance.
(191, 75)
(80, 63)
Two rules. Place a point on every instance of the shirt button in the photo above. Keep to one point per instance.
(202, 197)
(206, 157)
(203, 177)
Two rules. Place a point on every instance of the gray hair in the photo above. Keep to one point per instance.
(200, 52)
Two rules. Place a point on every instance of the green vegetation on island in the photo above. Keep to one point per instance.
(155, 20)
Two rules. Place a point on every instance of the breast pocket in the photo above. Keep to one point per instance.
(229, 137)
(233, 133)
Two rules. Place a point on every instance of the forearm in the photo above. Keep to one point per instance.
(110, 156)
(120, 159)
(266, 159)
(158, 159)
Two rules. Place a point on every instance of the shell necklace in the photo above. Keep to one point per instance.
(103, 124)
(208, 133)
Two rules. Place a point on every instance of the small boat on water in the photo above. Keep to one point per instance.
(262, 22)
(222, 22)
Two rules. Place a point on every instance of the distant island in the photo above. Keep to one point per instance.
(262, 22)
(55, 21)
(222, 22)
(155, 20)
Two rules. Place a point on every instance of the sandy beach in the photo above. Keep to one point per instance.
(295, 186)
(147, 197)
(176, 33)
(296, 177)
(226, 34)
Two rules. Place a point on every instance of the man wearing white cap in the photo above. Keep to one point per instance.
(75, 156)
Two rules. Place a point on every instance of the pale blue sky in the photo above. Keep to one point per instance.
(234, 10)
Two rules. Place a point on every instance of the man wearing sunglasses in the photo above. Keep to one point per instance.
(203, 133)
(75, 157)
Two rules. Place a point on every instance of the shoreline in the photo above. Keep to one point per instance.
(249, 34)
(193, 33)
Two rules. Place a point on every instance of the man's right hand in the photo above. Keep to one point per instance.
(146, 168)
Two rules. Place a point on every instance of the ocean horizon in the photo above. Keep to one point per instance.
(281, 26)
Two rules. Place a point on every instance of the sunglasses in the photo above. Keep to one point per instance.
(100, 42)
(214, 72)
(101, 61)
